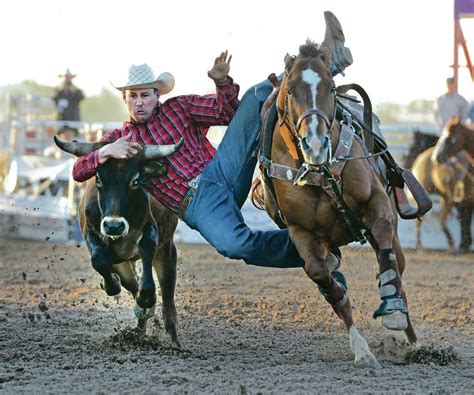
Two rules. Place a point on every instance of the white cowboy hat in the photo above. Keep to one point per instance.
(67, 74)
(142, 77)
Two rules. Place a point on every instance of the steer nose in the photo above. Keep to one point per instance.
(114, 228)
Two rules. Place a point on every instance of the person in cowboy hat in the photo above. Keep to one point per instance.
(205, 187)
(67, 98)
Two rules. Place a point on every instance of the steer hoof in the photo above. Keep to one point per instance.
(143, 313)
(396, 321)
(112, 288)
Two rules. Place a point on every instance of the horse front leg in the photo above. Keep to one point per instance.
(333, 287)
(380, 221)
(465, 220)
(165, 268)
(146, 298)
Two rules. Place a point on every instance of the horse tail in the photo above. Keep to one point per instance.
(256, 194)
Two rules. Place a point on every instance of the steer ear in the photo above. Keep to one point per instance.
(334, 40)
(151, 152)
(77, 148)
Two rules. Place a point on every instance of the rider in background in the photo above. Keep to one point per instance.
(451, 104)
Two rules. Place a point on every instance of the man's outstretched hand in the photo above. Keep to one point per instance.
(220, 70)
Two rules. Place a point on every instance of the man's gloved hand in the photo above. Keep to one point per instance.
(220, 70)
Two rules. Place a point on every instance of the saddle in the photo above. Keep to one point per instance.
(367, 134)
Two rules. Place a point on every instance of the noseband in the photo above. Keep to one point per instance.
(317, 112)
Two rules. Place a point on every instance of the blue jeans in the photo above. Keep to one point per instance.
(224, 185)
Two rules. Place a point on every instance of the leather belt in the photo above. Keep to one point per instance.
(193, 185)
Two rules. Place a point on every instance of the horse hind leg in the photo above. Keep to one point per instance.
(409, 331)
(445, 209)
(418, 225)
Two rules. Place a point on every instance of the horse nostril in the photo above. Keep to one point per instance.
(326, 142)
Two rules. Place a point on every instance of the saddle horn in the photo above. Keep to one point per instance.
(334, 40)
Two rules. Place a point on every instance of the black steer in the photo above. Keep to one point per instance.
(121, 223)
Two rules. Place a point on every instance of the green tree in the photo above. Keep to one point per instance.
(104, 107)
(387, 112)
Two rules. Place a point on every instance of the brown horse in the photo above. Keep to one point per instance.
(448, 170)
(310, 122)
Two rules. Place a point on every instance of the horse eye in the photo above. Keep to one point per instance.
(98, 183)
(288, 92)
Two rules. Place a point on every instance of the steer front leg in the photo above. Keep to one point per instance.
(102, 263)
(146, 298)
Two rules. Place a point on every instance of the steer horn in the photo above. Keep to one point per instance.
(151, 152)
(77, 148)
(334, 40)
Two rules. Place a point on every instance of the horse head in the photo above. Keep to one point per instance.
(307, 99)
(455, 138)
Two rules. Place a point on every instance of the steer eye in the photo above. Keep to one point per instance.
(98, 183)
(135, 183)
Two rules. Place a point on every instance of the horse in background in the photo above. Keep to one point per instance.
(421, 142)
(448, 170)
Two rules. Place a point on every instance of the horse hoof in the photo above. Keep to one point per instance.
(396, 321)
(143, 313)
(367, 361)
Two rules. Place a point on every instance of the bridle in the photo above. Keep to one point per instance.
(295, 128)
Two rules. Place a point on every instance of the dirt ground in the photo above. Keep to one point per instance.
(244, 330)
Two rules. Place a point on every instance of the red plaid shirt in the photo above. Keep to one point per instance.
(187, 116)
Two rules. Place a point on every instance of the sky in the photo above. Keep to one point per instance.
(402, 49)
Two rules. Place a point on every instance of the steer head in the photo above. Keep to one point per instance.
(119, 183)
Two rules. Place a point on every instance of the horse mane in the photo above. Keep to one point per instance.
(310, 49)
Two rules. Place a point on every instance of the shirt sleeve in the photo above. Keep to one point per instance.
(86, 166)
(216, 109)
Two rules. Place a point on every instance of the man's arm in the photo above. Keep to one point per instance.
(120, 148)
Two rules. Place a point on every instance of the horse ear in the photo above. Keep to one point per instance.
(289, 61)
(334, 41)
